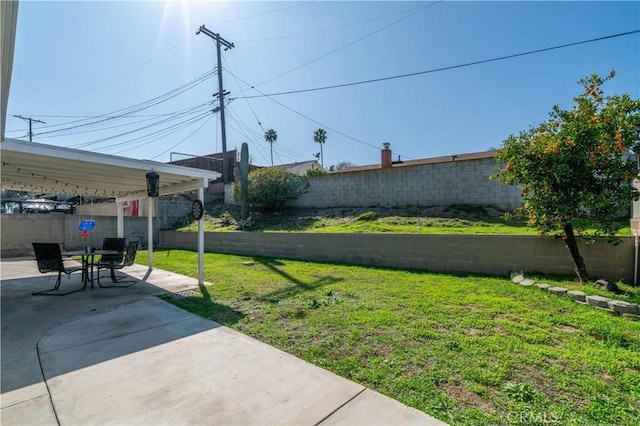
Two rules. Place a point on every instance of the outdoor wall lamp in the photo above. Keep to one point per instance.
(153, 183)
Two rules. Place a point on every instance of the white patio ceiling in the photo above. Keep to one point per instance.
(29, 166)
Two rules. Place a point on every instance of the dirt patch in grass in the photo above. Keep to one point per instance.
(535, 377)
(460, 393)
(500, 330)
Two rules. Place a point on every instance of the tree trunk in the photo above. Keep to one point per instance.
(572, 245)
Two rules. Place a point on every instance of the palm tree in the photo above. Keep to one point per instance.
(271, 136)
(320, 136)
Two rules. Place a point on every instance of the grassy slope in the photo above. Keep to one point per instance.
(467, 349)
(458, 219)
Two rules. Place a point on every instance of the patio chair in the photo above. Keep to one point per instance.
(115, 244)
(112, 244)
(49, 259)
(128, 260)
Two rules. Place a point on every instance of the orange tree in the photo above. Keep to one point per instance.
(576, 169)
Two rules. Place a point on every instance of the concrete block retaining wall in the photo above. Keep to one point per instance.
(483, 254)
(20, 230)
(444, 183)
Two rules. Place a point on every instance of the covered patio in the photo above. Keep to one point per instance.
(29, 166)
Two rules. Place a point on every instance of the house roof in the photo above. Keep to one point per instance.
(432, 160)
(301, 166)
(298, 163)
(30, 166)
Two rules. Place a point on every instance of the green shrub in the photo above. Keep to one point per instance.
(315, 172)
(367, 216)
(270, 189)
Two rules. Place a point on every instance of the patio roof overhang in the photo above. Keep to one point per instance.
(37, 167)
(29, 166)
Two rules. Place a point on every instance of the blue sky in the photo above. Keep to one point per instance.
(75, 60)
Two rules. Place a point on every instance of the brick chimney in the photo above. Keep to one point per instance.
(386, 156)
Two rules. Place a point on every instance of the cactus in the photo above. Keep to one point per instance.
(241, 174)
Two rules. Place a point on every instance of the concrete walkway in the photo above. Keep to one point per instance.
(123, 356)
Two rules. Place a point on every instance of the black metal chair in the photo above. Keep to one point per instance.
(128, 260)
(114, 244)
(49, 259)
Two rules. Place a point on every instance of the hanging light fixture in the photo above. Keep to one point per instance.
(153, 183)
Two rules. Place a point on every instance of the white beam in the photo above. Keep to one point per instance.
(54, 151)
(168, 190)
(150, 232)
(201, 241)
(120, 212)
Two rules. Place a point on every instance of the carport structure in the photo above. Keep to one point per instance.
(29, 166)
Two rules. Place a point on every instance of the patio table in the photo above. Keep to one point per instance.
(87, 261)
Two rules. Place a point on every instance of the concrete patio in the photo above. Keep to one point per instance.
(124, 356)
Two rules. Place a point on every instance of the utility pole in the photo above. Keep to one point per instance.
(227, 45)
(29, 119)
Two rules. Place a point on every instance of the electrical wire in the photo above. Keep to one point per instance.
(413, 74)
(155, 82)
(339, 27)
(228, 68)
(123, 74)
(311, 119)
(148, 118)
(257, 138)
(183, 140)
(350, 44)
(198, 111)
(244, 131)
(264, 13)
(154, 136)
(141, 106)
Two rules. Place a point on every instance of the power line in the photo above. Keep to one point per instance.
(159, 134)
(199, 112)
(242, 91)
(468, 64)
(179, 143)
(195, 110)
(150, 83)
(312, 120)
(339, 27)
(148, 118)
(264, 13)
(139, 107)
(258, 140)
(246, 132)
(350, 44)
(121, 75)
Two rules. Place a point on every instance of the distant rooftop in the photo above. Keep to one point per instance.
(432, 160)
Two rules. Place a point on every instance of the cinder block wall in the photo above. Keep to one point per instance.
(445, 183)
(106, 226)
(20, 230)
(484, 254)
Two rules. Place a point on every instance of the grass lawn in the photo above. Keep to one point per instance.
(470, 350)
